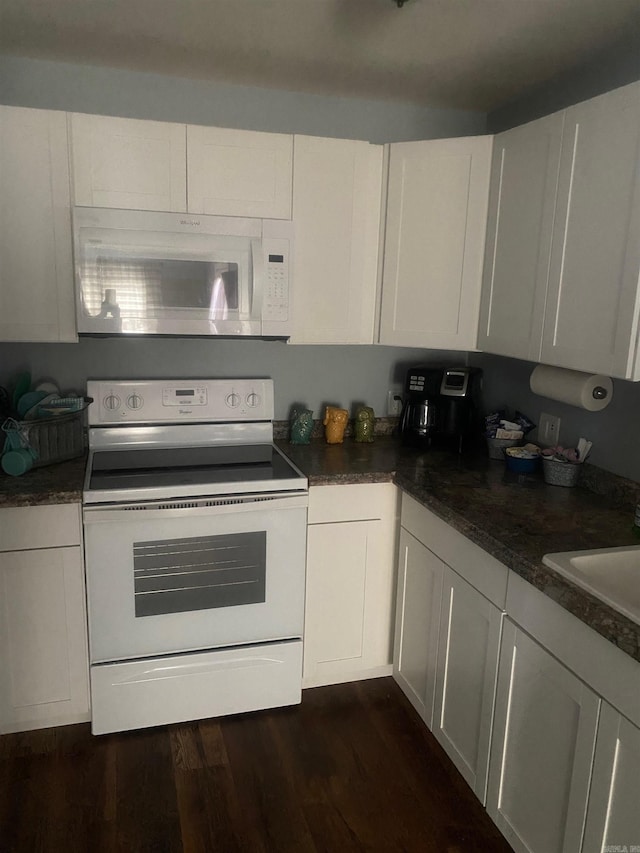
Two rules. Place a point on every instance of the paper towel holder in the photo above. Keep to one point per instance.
(589, 391)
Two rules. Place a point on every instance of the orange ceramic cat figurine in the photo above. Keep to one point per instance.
(335, 421)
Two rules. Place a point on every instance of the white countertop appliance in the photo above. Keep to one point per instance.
(195, 541)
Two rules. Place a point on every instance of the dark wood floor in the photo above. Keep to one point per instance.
(350, 769)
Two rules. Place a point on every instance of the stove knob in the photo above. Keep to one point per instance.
(232, 400)
(111, 402)
(134, 401)
(253, 400)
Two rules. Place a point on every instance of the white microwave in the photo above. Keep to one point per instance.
(148, 273)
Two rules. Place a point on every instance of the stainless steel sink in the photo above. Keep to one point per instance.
(610, 574)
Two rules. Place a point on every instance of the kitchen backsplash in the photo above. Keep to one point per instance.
(311, 375)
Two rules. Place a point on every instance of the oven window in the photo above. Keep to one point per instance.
(178, 575)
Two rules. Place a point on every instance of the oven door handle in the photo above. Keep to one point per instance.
(147, 510)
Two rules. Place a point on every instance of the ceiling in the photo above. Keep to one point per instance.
(465, 54)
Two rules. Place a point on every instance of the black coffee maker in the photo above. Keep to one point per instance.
(442, 407)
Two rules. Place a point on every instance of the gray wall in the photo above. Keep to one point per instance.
(613, 431)
(606, 70)
(314, 375)
(133, 94)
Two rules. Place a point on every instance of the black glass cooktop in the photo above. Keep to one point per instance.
(183, 466)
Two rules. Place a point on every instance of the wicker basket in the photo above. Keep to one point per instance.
(55, 439)
(560, 473)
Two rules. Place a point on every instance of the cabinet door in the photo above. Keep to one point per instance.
(592, 306)
(36, 272)
(43, 639)
(420, 575)
(434, 242)
(336, 211)
(127, 163)
(613, 817)
(348, 613)
(466, 678)
(239, 172)
(542, 749)
(524, 175)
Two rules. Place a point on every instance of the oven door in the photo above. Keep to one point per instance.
(190, 575)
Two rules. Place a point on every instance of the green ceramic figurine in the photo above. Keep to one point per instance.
(365, 421)
(301, 426)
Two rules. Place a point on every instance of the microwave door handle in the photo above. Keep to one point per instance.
(257, 262)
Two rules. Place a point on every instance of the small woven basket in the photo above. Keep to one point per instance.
(560, 473)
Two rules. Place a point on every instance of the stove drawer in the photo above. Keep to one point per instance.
(156, 691)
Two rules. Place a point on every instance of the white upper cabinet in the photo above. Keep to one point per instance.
(152, 165)
(127, 163)
(524, 175)
(36, 272)
(239, 172)
(563, 255)
(591, 320)
(337, 187)
(434, 242)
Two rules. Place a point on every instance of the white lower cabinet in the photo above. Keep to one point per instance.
(43, 634)
(538, 712)
(448, 636)
(350, 583)
(415, 655)
(466, 674)
(543, 745)
(613, 815)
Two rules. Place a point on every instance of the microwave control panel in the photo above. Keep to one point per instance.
(276, 295)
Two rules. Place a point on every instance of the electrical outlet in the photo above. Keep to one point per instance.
(549, 429)
(394, 401)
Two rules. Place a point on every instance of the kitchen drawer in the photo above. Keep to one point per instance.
(157, 691)
(355, 502)
(481, 570)
(612, 673)
(29, 527)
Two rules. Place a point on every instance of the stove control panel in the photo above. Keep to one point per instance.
(177, 401)
(184, 396)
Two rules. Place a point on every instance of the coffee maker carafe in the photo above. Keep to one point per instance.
(419, 410)
(441, 407)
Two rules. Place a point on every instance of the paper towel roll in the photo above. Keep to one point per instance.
(585, 390)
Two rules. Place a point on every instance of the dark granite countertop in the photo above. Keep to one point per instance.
(515, 518)
(51, 484)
